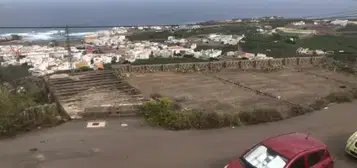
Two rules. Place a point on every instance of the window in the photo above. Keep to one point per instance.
(263, 157)
(315, 157)
(298, 163)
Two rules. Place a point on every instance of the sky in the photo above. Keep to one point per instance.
(95, 12)
(257, 2)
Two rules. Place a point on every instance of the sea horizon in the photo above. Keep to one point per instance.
(40, 13)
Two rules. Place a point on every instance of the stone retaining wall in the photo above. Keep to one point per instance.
(42, 115)
(216, 66)
(31, 118)
(47, 109)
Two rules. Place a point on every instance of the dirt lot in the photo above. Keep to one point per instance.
(196, 90)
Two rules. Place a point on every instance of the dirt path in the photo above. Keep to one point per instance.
(74, 146)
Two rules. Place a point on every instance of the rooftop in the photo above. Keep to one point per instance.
(292, 144)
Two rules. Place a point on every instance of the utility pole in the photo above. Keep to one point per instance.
(69, 49)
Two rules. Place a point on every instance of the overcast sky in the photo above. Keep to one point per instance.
(258, 2)
(106, 12)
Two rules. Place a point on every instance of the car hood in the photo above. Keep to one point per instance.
(351, 140)
(353, 136)
(235, 164)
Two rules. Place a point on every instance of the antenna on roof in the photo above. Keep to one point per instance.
(307, 135)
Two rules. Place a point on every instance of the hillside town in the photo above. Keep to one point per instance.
(265, 92)
(113, 46)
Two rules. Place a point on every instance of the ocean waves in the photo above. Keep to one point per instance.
(31, 35)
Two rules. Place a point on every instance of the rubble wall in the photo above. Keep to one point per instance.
(42, 115)
(218, 65)
(43, 110)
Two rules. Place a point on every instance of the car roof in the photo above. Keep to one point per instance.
(291, 144)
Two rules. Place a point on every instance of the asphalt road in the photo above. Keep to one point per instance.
(73, 146)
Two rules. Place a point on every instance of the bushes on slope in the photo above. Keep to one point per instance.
(18, 112)
(162, 112)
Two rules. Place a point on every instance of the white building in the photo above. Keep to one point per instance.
(339, 22)
(300, 23)
(226, 39)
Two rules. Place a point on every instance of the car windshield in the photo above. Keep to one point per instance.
(262, 157)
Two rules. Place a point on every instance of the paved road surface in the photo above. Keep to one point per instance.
(73, 146)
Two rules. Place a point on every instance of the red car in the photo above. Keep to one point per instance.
(291, 150)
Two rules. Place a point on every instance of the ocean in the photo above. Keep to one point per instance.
(37, 13)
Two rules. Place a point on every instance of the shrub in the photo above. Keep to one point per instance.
(16, 114)
(299, 110)
(158, 112)
(13, 72)
(205, 120)
(232, 119)
(256, 116)
(335, 97)
(339, 97)
(354, 93)
(319, 104)
(155, 96)
(178, 121)
(162, 112)
(11, 106)
(84, 68)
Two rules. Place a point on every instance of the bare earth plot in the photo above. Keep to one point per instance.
(197, 90)
(291, 85)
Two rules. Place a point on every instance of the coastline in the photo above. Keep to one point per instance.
(61, 43)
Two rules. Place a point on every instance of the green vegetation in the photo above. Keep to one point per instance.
(224, 29)
(22, 102)
(330, 43)
(333, 43)
(280, 47)
(281, 22)
(349, 27)
(149, 35)
(18, 113)
(11, 73)
(272, 45)
(162, 112)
